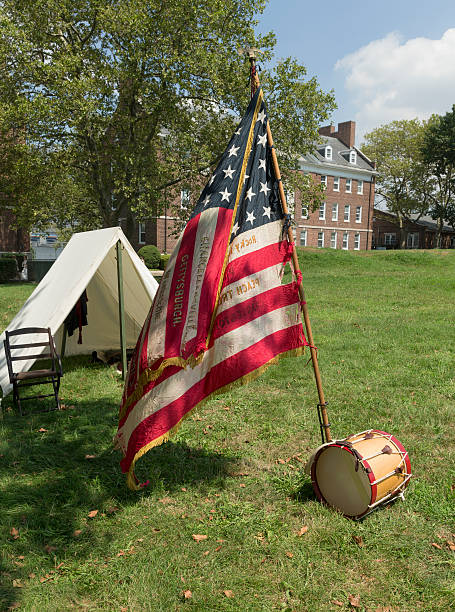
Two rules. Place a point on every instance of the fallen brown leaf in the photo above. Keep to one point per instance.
(32, 575)
(199, 538)
(183, 489)
(140, 540)
(17, 584)
(217, 548)
(112, 510)
(187, 594)
(92, 513)
(90, 456)
(289, 554)
(165, 500)
(206, 552)
(228, 593)
(21, 557)
(14, 532)
(354, 601)
(302, 530)
(337, 603)
(242, 485)
(358, 540)
(121, 553)
(436, 545)
(59, 565)
(77, 532)
(282, 461)
(42, 430)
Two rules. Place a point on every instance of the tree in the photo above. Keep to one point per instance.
(403, 179)
(130, 101)
(438, 151)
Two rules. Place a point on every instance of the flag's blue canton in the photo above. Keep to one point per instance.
(259, 201)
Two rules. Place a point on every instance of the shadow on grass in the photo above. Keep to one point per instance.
(48, 485)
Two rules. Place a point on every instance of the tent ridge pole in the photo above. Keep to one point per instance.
(121, 307)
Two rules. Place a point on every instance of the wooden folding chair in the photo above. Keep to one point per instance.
(21, 379)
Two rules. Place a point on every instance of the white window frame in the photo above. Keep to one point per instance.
(356, 242)
(320, 240)
(185, 198)
(389, 238)
(304, 212)
(358, 214)
(324, 180)
(336, 183)
(303, 237)
(141, 232)
(335, 212)
(348, 185)
(328, 152)
(414, 240)
(333, 240)
(347, 209)
(345, 246)
(360, 187)
(322, 212)
(352, 157)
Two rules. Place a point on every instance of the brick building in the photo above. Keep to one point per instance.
(417, 233)
(344, 220)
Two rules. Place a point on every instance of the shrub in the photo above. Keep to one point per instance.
(164, 259)
(151, 256)
(8, 269)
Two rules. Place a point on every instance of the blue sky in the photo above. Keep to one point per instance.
(385, 60)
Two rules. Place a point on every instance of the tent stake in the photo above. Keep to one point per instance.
(121, 307)
(322, 410)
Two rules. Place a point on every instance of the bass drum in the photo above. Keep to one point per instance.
(358, 473)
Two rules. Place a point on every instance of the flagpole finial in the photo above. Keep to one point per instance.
(252, 54)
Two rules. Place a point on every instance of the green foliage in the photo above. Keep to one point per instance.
(151, 256)
(112, 107)
(383, 325)
(8, 269)
(164, 259)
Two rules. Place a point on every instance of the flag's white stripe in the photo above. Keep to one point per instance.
(255, 239)
(157, 331)
(203, 246)
(250, 286)
(224, 347)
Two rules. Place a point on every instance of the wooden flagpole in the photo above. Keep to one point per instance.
(322, 406)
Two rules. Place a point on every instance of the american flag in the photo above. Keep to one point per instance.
(221, 312)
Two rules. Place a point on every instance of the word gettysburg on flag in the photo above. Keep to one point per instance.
(221, 313)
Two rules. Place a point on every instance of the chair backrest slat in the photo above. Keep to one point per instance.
(31, 345)
(28, 330)
(25, 357)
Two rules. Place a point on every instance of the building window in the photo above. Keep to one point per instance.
(322, 212)
(324, 181)
(333, 240)
(328, 152)
(304, 212)
(413, 240)
(336, 183)
(389, 239)
(347, 212)
(303, 236)
(352, 157)
(141, 233)
(360, 187)
(334, 212)
(348, 185)
(358, 214)
(345, 241)
(356, 242)
(320, 240)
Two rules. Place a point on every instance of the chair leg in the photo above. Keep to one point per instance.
(56, 385)
(16, 398)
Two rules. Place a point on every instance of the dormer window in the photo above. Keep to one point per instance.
(352, 157)
(328, 152)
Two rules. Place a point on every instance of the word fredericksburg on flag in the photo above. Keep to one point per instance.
(221, 313)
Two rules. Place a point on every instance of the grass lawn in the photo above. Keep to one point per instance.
(384, 326)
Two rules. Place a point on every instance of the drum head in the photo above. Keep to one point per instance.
(339, 484)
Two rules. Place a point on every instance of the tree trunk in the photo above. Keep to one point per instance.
(439, 234)
(402, 232)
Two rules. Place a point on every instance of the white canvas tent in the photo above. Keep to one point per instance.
(89, 261)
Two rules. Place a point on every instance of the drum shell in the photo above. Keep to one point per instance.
(384, 474)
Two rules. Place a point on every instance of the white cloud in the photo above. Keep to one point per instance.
(391, 79)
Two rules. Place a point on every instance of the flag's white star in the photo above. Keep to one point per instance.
(266, 212)
(262, 164)
(235, 229)
(206, 200)
(247, 176)
(238, 132)
(250, 194)
(228, 172)
(251, 218)
(225, 195)
(212, 179)
(261, 116)
(262, 140)
(264, 188)
(233, 151)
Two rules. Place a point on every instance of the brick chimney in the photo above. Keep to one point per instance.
(346, 133)
(327, 130)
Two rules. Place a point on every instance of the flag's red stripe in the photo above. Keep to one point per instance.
(245, 265)
(209, 285)
(180, 288)
(224, 373)
(254, 307)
